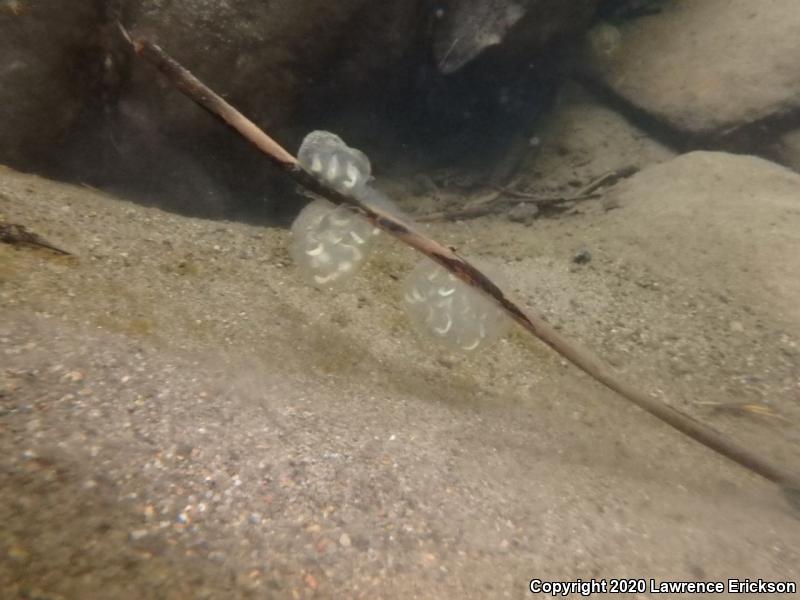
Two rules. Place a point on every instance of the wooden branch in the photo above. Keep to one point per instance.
(407, 233)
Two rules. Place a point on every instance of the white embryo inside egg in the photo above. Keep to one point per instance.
(329, 243)
(445, 308)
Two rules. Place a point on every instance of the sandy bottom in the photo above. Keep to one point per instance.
(180, 417)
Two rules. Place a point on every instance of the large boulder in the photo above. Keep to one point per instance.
(705, 67)
(584, 140)
(152, 143)
(262, 56)
(45, 49)
(730, 220)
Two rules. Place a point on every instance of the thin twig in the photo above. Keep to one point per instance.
(496, 204)
(607, 179)
(21, 235)
(405, 232)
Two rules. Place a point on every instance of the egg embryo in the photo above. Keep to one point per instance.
(445, 308)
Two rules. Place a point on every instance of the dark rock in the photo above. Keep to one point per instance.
(359, 68)
(46, 49)
(468, 27)
(261, 56)
(151, 142)
(582, 257)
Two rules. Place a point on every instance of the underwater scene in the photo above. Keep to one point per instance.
(413, 299)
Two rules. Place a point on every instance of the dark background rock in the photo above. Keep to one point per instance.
(150, 141)
(45, 72)
(469, 27)
(365, 71)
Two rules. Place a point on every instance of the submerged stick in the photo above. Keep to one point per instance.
(21, 235)
(581, 357)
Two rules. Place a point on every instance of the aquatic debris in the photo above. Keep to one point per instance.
(470, 26)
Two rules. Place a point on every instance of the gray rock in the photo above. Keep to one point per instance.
(582, 256)
(262, 56)
(468, 27)
(267, 59)
(706, 67)
(44, 48)
(712, 214)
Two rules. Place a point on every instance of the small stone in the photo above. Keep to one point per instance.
(137, 534)
(429, 559)
(524, 212)
(582, 256)
(311, 581)
(344, 540)
(74, 376)
(17, 553)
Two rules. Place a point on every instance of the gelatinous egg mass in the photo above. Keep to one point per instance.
(328, 158)
(445, 308)
(329, 244)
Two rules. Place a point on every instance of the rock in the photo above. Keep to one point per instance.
(706, 67)
(261, 56)
(712, 216)
(524, 212)
(583, 140)
(788, 150)
(265, 58)
(468, 27)
(45, 50)
(582, 257)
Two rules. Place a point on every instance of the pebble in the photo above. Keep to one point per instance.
(345, 541)
(523, 212)
(137, 534)
(582, 257)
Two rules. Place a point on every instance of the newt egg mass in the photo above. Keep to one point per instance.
(330, 244)
(445, 308)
